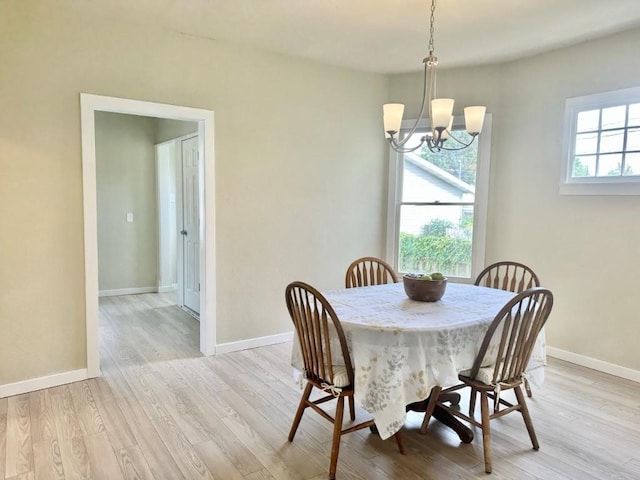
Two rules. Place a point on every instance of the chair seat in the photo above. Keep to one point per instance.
(485, 374)
(340, 376)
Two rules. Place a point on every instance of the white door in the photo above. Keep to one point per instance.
(190, 224)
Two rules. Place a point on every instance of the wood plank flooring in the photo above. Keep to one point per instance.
(162, 411)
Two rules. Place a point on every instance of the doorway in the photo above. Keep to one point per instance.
(90, 104)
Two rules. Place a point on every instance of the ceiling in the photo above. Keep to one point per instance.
(385, 36)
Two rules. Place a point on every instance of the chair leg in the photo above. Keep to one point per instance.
(527, 387)
(472, 403)
(352, 408)
(527, 418)
(301, 408)
(400, 443)
(486, 430)
(452, 397)
(431, 406)
(337, 432)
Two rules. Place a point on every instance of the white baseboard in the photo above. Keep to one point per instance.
(33, 384)
(254, 343)
(127, 291)
(57, 379)
(595, 364)
(167, 289)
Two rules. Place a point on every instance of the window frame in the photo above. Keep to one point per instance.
(479, 239)
(613, 185)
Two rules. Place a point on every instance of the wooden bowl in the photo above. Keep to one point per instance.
(424, 290)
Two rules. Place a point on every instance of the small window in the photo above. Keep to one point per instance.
(602, 144)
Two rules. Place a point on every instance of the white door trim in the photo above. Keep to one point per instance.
(89, 104)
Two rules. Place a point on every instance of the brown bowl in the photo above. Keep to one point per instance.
(424, 290)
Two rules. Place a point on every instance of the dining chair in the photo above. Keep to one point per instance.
(500, 364)
(315, 320)
(512, 276)
(366, 271)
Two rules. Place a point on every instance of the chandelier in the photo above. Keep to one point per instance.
(440, 112)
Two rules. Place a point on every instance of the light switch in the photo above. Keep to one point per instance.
(129, 217)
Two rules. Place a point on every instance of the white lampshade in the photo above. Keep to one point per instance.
(392, 117)
(441, 111)
(474, 118)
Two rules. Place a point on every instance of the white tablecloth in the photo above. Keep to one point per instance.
(402, 348)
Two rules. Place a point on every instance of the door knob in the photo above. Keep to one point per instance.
(183, 232)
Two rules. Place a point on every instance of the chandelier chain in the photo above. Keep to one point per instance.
(431, 22)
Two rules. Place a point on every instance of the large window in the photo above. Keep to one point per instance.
(437, 208)
(602, 143)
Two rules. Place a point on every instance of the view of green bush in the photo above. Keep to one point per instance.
(435, 250)
(441, 245)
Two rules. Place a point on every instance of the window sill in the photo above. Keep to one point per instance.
(618, 188)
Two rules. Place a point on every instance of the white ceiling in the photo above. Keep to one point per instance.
(386, 36)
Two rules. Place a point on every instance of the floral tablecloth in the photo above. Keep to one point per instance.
(402, 348)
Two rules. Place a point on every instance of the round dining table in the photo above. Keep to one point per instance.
(402, 348)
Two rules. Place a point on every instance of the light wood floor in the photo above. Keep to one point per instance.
(162, 411)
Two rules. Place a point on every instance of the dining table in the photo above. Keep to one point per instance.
(402, 348)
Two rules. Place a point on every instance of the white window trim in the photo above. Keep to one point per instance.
(594, 185)
(479, 240)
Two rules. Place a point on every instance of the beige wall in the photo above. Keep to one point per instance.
(300, 177)
(126, 183)
(583, 247)
(470, 86)
(300, 171)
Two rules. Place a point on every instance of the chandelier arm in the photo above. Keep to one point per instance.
(420, 115)
(400, 149)
(463, 145)
(453, 137)
(433, 148)
(432, 64)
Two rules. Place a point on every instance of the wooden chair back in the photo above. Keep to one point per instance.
(313, 318)
(511, 276)
(367, 271)
(511, 337)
